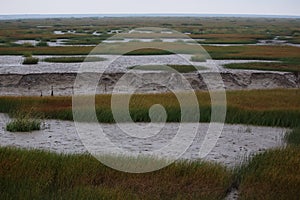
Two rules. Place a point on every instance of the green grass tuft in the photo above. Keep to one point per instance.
(30, 61)
(42, 44)
(25, 121)
(23, 125)
(27, 54)
(198, 58)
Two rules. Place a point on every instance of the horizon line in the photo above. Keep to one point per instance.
(152, 14)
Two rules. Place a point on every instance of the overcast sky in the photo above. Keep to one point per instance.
(266, 7)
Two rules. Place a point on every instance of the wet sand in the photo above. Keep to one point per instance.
(236, 142)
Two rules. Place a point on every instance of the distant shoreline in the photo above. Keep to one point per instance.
(44, 16)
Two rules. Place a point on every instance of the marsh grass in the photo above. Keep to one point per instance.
(42, 175)
(30, 61)
(178, 68)
(293, 137)
(230, 52)
(68, 50)
(270, 175)
(229, 41)
(42, 44)
(148, 51)
(27, 54)
(199, 58)
(24, 122)
(27, 44)
(254, 52)
(23, 125)
(273, 174)
(73, 59)
(258, 107)
(288, 67)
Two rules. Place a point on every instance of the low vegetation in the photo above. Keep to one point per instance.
(43, 175)
(148, 51)
(30, 61)
(199, 58)
(294, 40)
(273, 66)
(27, 45)
(223, 40)
(27, 54)
(231, 52)
(293, 137)
(23, 125)
(258, 107)
(73, 59)
(24, 122)
(254, 52)
(42, 44)
(273, 174)
(178, 68)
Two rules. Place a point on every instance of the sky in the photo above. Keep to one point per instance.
(260, 7)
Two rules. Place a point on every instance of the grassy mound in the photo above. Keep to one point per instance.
(23, 125)
(73, 59)
(178, 68)
(274, 66)
(198, 58)
(30, 61)
(148, 51)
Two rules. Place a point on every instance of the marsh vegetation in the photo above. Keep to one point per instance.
(171, 68)
(36, 174)
(257, 107)
(286, 66)
(73, 59)
(30, 61)
(42, 175)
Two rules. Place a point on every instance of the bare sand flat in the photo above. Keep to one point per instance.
(236, 142)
